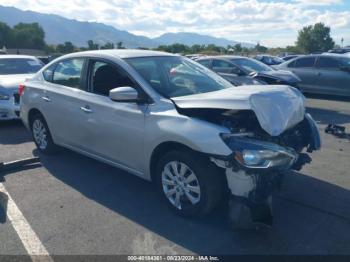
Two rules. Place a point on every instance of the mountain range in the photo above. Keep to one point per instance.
(59, 29)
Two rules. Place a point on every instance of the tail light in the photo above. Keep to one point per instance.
(21, 88)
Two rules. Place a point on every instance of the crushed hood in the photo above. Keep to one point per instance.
(277, 108)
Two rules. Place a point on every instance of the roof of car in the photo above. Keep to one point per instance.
(17, 56)
(121, 53)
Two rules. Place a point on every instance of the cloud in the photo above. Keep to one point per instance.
(272, 23)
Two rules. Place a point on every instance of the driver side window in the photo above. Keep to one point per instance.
(105, 77)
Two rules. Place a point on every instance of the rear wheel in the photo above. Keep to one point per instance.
(41, 135)
(189, 183)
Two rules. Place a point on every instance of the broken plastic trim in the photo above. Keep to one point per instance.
(253, 154)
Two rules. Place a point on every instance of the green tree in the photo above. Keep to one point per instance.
(65, 48)
(237, 48)
(120, 45)
(6, 35)
(260, 49)
(92, 45)
(28, 36)
(315, 38)
(108, 46)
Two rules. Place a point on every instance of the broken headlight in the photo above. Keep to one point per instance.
(257, 154)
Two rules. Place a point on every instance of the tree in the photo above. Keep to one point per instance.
(261, 49)
(6, 35)
(237, 48)
(108, 46)
(120, 45)
(28, 36)
(65, 48)
(92, 45)
(315, 38)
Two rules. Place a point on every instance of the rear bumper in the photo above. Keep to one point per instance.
(9, 110)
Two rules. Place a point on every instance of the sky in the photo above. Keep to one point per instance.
(271, 22)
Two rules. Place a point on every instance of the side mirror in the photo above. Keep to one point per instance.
(124, 94)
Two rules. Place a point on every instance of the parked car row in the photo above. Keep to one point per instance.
(246, 71)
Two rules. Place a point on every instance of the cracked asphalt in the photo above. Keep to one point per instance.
(79, 206)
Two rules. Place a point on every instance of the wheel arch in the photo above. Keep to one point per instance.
(162, 149)
(32, 112)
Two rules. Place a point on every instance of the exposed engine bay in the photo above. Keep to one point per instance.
(258, 162)
(244, 123)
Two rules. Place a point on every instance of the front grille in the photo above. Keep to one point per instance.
(16, 97)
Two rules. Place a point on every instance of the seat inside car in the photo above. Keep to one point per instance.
(107, 78)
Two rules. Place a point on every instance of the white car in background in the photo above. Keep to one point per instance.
(14, 70)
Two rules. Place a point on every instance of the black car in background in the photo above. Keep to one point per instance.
(247, 71)
(269, 60)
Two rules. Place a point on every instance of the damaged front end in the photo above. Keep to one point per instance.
(257, 165)
(269, 134)
(258, 161)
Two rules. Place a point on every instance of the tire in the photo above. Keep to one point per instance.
(41, 135)
(194, 193)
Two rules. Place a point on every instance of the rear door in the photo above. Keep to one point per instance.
(64, 92)
(332, 80)
(304, 68)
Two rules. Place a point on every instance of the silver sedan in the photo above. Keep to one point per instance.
(170, 120)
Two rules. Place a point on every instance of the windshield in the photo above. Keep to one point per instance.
(173, 76)
(11, 66)
(251, 65)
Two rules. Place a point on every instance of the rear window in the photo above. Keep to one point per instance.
(12, 66)
(68, 72)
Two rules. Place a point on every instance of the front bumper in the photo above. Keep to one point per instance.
(253, 187)
(9, 109)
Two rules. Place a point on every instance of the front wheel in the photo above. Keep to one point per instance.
(41, 135)
(189, 183)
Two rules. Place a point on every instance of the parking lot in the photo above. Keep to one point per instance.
(76, 205)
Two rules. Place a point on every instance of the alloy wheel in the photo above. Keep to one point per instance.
(180, 185)
(40, 134)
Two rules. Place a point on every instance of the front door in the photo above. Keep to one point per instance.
(115, 130)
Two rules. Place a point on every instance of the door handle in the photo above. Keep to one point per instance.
(46, 99)
(86, 109)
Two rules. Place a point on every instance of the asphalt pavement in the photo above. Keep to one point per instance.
(79, 206)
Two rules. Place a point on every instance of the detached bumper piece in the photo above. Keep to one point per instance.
(251, 202)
